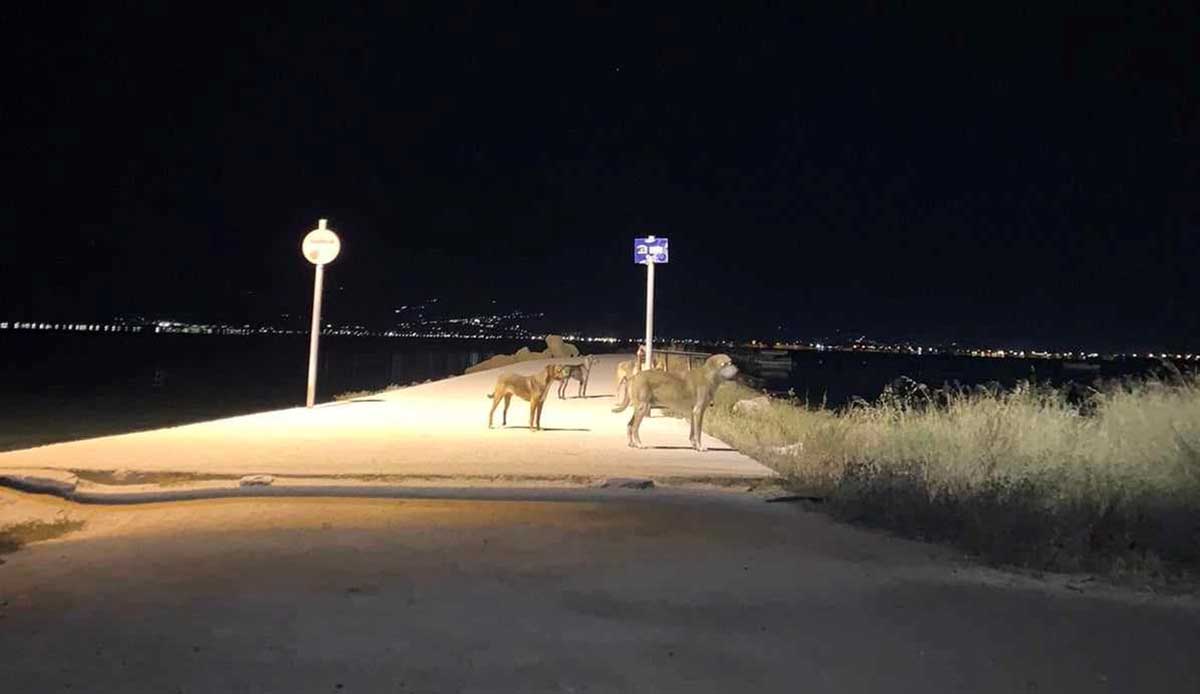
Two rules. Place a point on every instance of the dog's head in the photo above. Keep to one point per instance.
(722, 366)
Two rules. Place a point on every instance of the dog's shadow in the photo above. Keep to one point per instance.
(586, 397)
(689, 448)
(526, 427)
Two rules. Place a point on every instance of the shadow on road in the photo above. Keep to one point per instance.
(515, 426)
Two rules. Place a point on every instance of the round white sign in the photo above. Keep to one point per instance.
(321, 245)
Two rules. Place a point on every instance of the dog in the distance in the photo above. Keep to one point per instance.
(579, 372)
(532, 388)
(691, 392)
(627, 369)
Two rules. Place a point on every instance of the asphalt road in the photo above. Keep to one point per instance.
(630, 592)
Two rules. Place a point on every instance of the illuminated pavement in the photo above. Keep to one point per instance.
(433, 430)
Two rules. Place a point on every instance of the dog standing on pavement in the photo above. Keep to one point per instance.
(532, 388)
(579, 372)
(628, 369)
(691, 393)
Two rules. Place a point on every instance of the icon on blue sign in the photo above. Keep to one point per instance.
(652, 249)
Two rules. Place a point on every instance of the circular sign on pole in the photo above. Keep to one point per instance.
(321, 245)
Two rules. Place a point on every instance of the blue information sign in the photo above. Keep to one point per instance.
(652, 249)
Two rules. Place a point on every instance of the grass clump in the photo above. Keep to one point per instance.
(134, 477)
(356, 394)
(13, 537)
(1034, 476)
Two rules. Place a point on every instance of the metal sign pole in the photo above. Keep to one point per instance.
(650, 251)
(649, 313)
(316, 332)
(320, 246)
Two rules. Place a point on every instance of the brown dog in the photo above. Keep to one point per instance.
(692, 391)
(532, 388)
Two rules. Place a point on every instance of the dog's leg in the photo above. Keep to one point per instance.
(635, 424)
(535, 410)
(495, 402)
(504, 412)
(698, 427)
(562, 387)
(643, 412)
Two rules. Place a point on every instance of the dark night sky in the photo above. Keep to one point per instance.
(1026, 180)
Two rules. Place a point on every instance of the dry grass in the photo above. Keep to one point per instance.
(1028, 476)
(355, 394)
(134, 477)
(13, 537)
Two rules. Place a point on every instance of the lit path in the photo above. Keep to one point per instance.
(437, 429)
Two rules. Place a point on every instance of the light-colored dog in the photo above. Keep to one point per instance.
(628, 369)
(532, 388)
(692, 391)
(625, 371)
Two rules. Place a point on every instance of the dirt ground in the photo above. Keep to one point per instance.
(629, 591)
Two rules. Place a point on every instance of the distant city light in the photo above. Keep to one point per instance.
(505, 327)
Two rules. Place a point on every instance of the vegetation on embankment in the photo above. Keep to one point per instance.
(356, 394)
(13, 537)
(1109, 482)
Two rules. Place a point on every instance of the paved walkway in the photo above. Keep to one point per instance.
(433, 430)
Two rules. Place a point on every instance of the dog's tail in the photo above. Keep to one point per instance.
(620, 407)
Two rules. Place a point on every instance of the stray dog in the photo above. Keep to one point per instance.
(691, 391)
(628, 369)
(579, 372)
(625, 371)
(532, 388)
